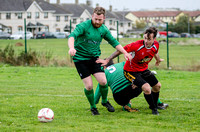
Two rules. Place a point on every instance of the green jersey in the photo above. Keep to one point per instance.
(115, 78)
(88, 40)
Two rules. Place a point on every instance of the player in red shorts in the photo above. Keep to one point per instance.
(136, 70)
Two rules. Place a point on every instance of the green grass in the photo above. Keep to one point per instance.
(25, 90)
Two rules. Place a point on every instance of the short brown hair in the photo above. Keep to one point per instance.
(99, 11)
(151, 30)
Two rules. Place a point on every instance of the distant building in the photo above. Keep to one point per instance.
(44, 16)
(159, 18)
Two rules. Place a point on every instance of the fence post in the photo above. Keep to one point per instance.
(25, 36)
(118, 37)
(167, 46)
(70, 30)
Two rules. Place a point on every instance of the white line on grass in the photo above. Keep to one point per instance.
(67, 95)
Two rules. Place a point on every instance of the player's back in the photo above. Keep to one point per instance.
(115, 77)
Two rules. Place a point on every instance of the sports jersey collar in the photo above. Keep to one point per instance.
(149, 47)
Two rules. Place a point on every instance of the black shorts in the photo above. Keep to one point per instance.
(87, 67)
(124, 96)
(140, 78)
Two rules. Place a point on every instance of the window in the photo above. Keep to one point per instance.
(129, 24)
(19, 15)
(66, 18)
(57, 18)
(8, 15)
(110, 22)
(81, 19)
(46, 28)
(121, 24)
(57, 29)
(37, 15)
(28, 15)
(74, 21)
(9, 30)
(45, 14)
(20, 28)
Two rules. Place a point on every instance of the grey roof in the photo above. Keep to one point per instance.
(121, 16)
(89, 8)
(75, 9)
(60, 10)
(23, 5)
(46, 6)
(110, 14)
(12, 5)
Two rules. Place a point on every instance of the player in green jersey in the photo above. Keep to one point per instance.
(122, 89)
(84, 47)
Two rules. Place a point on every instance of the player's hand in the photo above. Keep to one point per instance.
(128, 56)
(104, 62)
(158, 62)
(72, 51)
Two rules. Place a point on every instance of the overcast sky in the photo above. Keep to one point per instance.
(134, 5)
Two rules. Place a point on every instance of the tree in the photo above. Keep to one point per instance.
(140, 24)
(197, 29)
(182, 25)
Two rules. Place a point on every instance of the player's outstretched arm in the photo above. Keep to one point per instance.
(158, 59)
(127, 56)
(71, 51)
(105, 61)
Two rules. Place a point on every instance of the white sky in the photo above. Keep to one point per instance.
(135, 5)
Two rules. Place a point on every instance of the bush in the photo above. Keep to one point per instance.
(31, 58)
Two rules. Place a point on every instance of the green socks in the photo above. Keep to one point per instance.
(127, 105)
(159, 102)
(90, 97)
(97, 95)
(104, 92)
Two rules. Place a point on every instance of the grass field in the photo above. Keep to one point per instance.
(25, 90)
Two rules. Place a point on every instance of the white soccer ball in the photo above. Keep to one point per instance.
(45, 115)
(154, 72)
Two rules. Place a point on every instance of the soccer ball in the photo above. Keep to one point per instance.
(154, 72)
(45, 115)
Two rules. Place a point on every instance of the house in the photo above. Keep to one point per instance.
(44, 16)
(40, 16)
(159, 18)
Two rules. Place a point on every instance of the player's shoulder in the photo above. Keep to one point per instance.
(139, 42)
(156, 43)
(85, 24)
(104, 28)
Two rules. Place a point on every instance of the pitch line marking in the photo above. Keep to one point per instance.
(68, 95)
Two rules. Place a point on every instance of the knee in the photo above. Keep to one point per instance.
(146, 88)
(89, 87)
(103, 83)
(157, 87)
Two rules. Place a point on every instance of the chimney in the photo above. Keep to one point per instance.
(97, 4)
(89, 3)
(110, 8)
(76, 1)
(58, 2)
